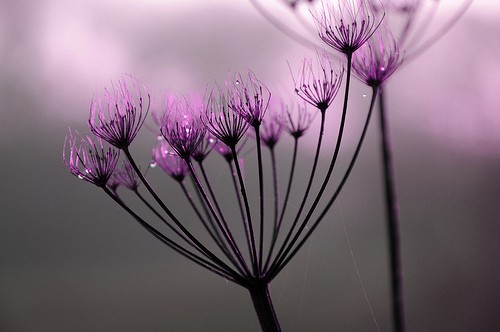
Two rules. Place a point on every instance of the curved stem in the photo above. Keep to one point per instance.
(285, 203)
(334, 196)
(303, 225)
(221, 271)
(274, 168)
(306, 193)
(235, 185)
(261, 197)
(214, 229)
(248, 223)
(218, 241)
(214, 200)
(212, 256)
(392, 210)
(165, 221)
(225, 231)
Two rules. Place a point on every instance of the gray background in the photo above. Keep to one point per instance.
(71, 260)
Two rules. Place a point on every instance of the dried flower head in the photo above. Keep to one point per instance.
(319, 87)
(347, 25)
(124, 176)
(377, 59)
(119, 115)
(273, 124)
(222, 121)
(298, 121)
(169, 161)
(88, 159)
(183, 128)
(248, 97)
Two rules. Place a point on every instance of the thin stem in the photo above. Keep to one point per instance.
(218, 241)
(165, 221)
(227, 274)
(306, 193)
(302, 226)
(392, 210)
(335, 195)
(235, 185)
(274, 169)
(212, 256)
(214, 199)
(264, 308)
(214, 228)
(261, 197)
(225, 231)
(248, 219)
(285, 203)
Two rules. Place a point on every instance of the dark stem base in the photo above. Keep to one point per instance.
(263, 305)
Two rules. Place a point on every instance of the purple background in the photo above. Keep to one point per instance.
(71, 260)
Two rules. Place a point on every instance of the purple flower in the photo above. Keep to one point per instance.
(319, 89)
(222, 121)
(124, 176)
(347, 25)
(249, 98)
(118, 116)
(378, 59)
(203, 149)
(298, 121)
(273, 124)
(88, 159)
(183, 128)
(169, 161)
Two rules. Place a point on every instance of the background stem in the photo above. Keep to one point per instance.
(392, 210)
(264, 308)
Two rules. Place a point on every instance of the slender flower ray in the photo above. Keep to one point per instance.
(214, 199)
(171, 215)
(165, 221)
(228, 274)
(176, 168)
(306, 193)
(219, 210)
(184, 131)
(227, 237)
(327, 207)
(319, 93)
(248, 219)
(215, 237)
(214, 229)
(330, 168)
(261, 198)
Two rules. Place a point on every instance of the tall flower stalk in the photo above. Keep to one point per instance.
(375, 62)
(188, 134)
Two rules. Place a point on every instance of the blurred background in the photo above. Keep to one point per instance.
(71, 260)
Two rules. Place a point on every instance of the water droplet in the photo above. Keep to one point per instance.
(88, 171)
(364, 95)
(152, 164)
(382, 68)
(81, 177)
(159, 138)
(211, 140)
(237, 82)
